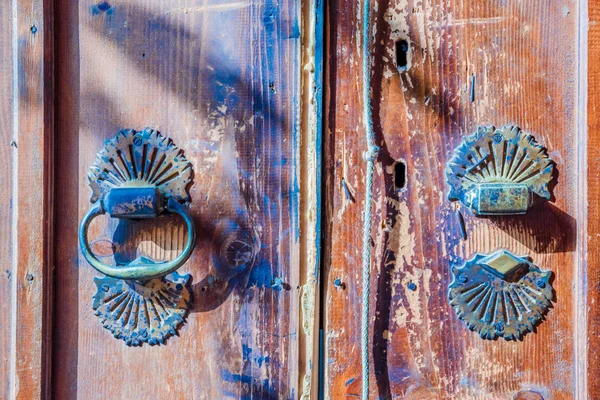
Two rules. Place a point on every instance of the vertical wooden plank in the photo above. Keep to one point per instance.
(311, 195)
(223, 81)
(68, 183)
(585, 252)
(593, 198)
(6, 176)
(32, 197)
(525, 60)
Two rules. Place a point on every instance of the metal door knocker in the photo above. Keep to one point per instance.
(140, 174)
(499, 171)
(500, 295)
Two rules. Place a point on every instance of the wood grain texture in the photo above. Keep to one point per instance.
(6, 175)
(524, 56)
(311, 196)
(223, 81)
(593, 198)
(27, 185)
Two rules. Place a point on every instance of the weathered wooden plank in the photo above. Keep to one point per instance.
(223, 81)
(311, 195)
(593, 196)
(68, 183)
(27, 119)
(524, 57)
(6, 171)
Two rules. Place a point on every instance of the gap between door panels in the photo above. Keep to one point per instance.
(311, 204)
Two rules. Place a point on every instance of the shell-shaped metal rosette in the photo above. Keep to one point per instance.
(498, 171)
(143, 312)
(141, 159)
(500, 295)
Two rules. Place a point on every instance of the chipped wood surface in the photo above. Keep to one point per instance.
(524, 57)
(223, 81)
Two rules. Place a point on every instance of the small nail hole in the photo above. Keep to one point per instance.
(400, 175)
(402, 55)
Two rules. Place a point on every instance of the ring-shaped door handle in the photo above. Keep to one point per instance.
(140, 175)
(141, 268)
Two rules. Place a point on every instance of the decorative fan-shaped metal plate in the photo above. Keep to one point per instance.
(500, 295)
(143, 312)
(140, 174)
(498, 171)
(141, 159)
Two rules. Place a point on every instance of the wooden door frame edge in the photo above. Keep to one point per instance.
(32, 201)
(310, 171)
(588, 361)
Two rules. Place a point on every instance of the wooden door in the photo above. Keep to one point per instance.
(265, 100)
(466, 64)
(222, 80)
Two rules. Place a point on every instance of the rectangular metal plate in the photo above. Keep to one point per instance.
(137, 202)
(502, 198)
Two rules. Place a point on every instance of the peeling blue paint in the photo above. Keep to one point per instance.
(319, 8)
(262, 359)
(277, 283)
(235, 378)
(319, 33)
(295, 31)
(261, 275)
(246, 352)
(97, 9)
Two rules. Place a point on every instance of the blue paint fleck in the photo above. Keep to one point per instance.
(540, 283)
(229, 393)
(277, 283)
(412, 286)
(261, 274)
(99, 8)
(262, 359)
(295, 31)
(235, 378)
(349, 381)
(246, 351)
(34, 29)
(269, 19)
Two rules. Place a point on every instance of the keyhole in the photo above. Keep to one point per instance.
(400, 175)
(402, 49)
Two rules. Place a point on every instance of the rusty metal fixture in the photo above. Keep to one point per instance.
(499, 171)
(500, 295)
(140, 174)
(143, 312)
